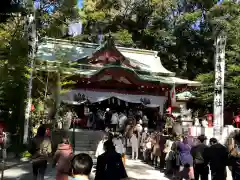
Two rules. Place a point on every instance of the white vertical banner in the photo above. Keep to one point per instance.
(173, 95)
(31, 32)
(220, 44)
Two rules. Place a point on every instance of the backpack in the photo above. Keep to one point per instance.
(44, 148)
(39, 145)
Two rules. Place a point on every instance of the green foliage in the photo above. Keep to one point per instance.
(13, 70)
(181, 31)
(206, 91)
(124, 38)
(226, 17)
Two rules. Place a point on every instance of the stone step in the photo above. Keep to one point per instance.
(86, 141)
(87, 138)
(86, 148)
(87, 134)
(85, 145)
(91, 146)
(94, 133)
(90, 153)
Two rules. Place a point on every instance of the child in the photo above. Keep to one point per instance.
(62, 159)
(135, 145)
(81, 166)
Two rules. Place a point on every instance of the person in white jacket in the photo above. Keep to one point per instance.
(135, 145)
(117, 141)
(170, 151)
(114, 121)
(100, 148)
(139, 130)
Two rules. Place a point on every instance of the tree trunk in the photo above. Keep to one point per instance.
(57, 98)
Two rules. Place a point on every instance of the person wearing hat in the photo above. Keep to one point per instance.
(200, 164)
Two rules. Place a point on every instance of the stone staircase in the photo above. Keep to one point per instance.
(86, 141)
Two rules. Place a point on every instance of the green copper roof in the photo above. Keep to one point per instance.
(88, 72)
(72, 57)
(185, 95)
(57, 50)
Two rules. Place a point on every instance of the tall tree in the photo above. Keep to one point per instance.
(14, 70)
(226, 17)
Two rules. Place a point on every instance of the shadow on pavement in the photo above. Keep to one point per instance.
(15, 163)
(24, 172)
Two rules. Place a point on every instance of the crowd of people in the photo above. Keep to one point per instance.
(78, 166)
(110, 165)
(116, 119)
(178, 156)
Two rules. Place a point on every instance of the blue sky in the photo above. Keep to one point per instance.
(37, 5)
(80, 3)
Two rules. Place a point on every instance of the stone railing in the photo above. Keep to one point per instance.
(227, 132)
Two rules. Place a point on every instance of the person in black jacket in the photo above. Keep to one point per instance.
(234, 157)
(200, 163)
(109, 164)
(217, 156)
(107, 118)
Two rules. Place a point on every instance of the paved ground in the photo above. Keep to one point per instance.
(136, 171)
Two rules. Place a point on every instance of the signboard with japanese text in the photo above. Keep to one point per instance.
(220, 44)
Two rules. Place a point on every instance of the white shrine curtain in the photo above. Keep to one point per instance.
(97, 96)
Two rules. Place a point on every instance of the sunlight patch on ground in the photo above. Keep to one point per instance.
(17, 173)
(140, 171)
